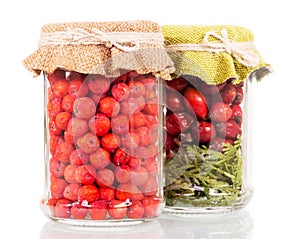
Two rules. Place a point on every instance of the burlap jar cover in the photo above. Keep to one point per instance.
(104, 48)
(214, 53)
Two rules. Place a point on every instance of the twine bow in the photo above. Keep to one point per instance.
(125, 41)
(241, 51)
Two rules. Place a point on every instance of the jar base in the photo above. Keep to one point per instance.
(94, 224)
(190, 211)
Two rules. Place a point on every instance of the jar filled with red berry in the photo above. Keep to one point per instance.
(103, 121)
(208, 121)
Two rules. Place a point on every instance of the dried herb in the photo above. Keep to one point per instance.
(202, 177)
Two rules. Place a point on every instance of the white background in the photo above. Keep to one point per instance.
(274, 210)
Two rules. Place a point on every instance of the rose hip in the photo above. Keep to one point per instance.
(78, 211)
(127, 191)
(89, 193)
(100, 159)
(84, 108)
(204, 132)
(220, 112)
(57, 188)
(56, 168)
(196, 101)
(137, 120)
(121, 156)
(69, 173)
(135, 210)
(78, 157)
(77, 88)
(77, 127)
(71, 191)
(88, 143)
(67, 103)
(60, 88)
(56, 76)
(62, 119)
(98, 84)
(120, 91)
(139, 176)
(123, 174)
(117, 209)
(107, 194)
(120, 124)
(63, 151)
(98, 210)
(109, 106)
(63, 208)
(110, 142)
(85, 174)
(105, 178)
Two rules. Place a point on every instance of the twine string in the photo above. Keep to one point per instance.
(125, 41)
(243, 52)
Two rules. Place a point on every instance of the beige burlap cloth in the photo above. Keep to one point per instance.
(106, 48)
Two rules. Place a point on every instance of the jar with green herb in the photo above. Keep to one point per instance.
(208, 118)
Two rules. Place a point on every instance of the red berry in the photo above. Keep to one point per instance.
(99, 124)
(196, 101)
(51, 204)
(130, 106)
(120, 157)
(148, 81)
(204, 132)
(71, 191)
(177, 123)
(74, 75)
(56, 168)
(69, 173)
(78, 157)
(105, 178)
(151, 206)
(60, 88)
(57, 187)
(135, 210)
(237, 114)
(229, 129)
(56, 76)
(78, 211)
(228, 93)
(88, 143)
(63, 208)
(54, 107)
(98, 84)
(84, 108)
(136, 89)
(151, 107)
(144, 136)
(239, 96)
(220, 112)
(77, 88)
(53, 128)
(98, 210)
(100, 159)
(107, 194)
(67, 103)
(120, 91)
(62, 119)
(139, 176)
(134, 162)
(63, 151)
(109, 106)
(54, 141)
(85, 174)
(123, 174)
(117, 209)
(151, 165)
(89, 193)
(178, 84)
(129, 191)
(137, 120)
(175, 101)
(77, 127)
(120, 124)
(110, 142)
(150, 120)
(150, 187)
(130, 141)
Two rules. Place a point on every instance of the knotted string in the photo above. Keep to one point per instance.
(125, 41)
(241, 51)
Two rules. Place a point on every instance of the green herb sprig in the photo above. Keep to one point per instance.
(202, 177)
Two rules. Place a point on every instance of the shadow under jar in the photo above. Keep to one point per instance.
(103, 112)
(208, 119)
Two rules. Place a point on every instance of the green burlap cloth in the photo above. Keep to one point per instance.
(211, 65)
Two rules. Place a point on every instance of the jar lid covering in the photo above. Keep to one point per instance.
(106, 48)
(214, 53)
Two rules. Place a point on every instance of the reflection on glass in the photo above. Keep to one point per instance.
(237, 225)
(148, 230)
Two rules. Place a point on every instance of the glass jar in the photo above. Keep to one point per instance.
(103, 117)
(208, 120)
